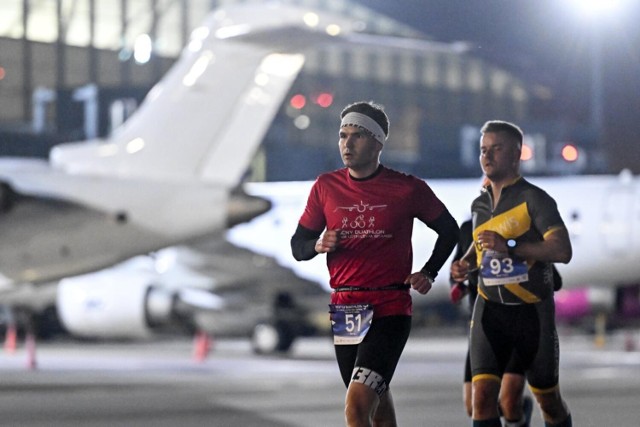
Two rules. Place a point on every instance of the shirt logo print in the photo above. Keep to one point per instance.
(363, 225)
(360, 207)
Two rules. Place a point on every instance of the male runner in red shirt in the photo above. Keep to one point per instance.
(362, 217)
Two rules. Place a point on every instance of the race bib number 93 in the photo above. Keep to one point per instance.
(501, 269)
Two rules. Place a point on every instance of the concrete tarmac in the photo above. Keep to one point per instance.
(162, 384)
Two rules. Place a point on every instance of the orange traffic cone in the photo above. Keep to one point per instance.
(11, 339)
(201, 346)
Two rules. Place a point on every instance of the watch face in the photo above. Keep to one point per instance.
(511, 243)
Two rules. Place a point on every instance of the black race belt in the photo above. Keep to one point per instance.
(394, 287)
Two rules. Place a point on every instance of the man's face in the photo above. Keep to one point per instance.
(499, 156)
(358, 149)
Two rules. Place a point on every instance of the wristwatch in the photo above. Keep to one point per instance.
(429, 275)
(511, 246)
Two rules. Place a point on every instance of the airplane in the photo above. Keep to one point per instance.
(169, 175)
(601, 212)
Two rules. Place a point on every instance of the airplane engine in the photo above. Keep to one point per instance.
(113, 307)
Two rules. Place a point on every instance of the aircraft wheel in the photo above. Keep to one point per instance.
(267, 338)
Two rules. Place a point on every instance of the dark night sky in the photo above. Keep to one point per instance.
(546, 42)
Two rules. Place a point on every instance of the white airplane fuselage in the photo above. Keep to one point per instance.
(602, 214)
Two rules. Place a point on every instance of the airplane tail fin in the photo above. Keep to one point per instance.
(204, 120)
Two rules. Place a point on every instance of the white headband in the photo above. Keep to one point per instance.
(365, 122)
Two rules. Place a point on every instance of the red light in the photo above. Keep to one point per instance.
(526, 153)
(569, 153)
(298, 101)
(324, 100)
(2, 73)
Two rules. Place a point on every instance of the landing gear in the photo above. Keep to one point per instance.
(269, 338)
(277, 334)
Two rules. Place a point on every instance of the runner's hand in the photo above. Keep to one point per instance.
(419, 281)
(328, 241)
(459, 270)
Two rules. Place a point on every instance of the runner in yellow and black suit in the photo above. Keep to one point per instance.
(519, 294)
(518, 233)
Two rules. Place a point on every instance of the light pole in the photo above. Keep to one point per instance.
(597, 92)
(595, 13)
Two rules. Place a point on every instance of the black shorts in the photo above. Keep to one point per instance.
(514, 366)
(526, 331)
(380, 350)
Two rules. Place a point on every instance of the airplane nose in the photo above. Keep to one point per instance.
(243, 207)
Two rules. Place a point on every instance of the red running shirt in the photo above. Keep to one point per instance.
(375, 217)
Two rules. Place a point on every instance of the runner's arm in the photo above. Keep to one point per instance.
(556, 247)
(448, 234)
(303, 243)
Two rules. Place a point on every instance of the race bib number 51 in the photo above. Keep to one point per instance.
(350, 322)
